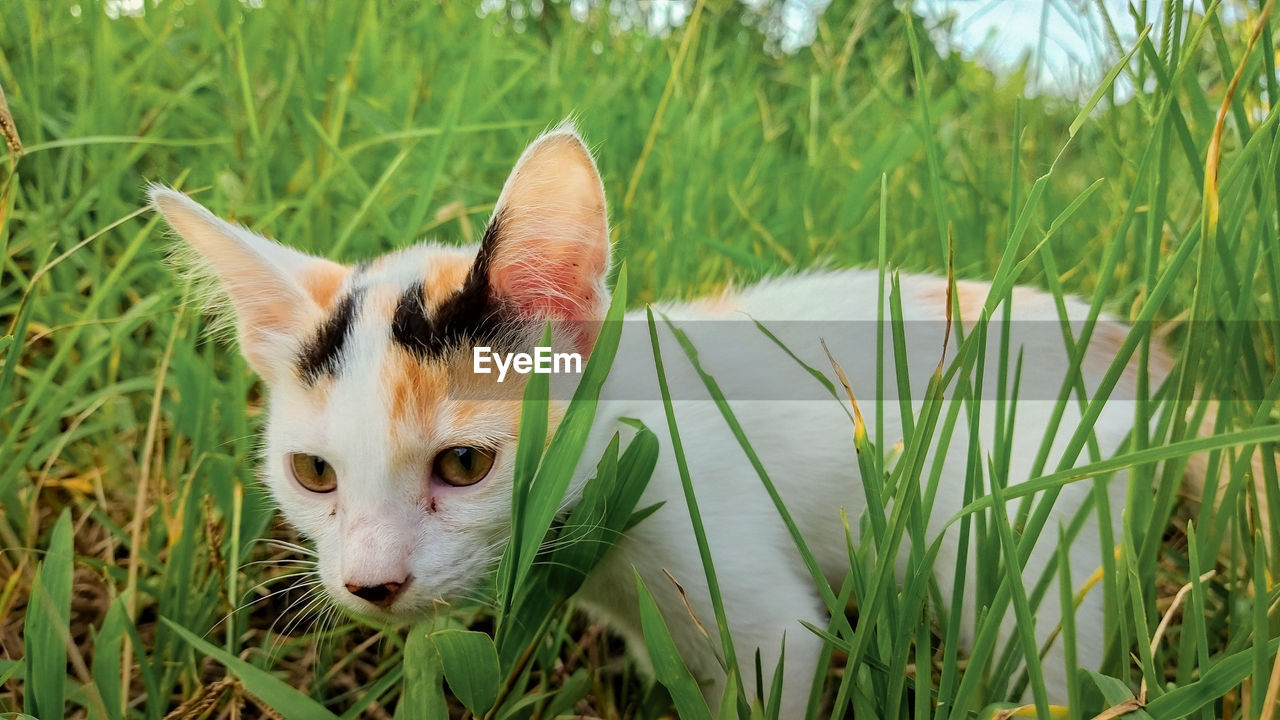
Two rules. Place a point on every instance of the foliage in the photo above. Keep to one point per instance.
(142, 571)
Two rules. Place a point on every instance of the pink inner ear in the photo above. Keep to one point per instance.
(550, 235)
(557, 289)
(565, 291)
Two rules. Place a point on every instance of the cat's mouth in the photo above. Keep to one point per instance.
(412, 603)
(404, 610)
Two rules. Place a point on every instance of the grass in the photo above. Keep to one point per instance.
(143, 571)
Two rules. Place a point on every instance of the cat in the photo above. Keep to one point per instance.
(386, 449)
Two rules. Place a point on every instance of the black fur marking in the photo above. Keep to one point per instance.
(410, 326)
(470, 316)
(322, 355)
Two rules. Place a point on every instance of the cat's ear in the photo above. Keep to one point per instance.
(275, 292)
(546, 250)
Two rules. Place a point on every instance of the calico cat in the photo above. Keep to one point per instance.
(387, 450)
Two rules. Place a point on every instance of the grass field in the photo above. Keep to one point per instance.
(141, 558)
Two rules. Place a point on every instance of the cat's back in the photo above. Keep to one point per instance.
(746, 332)
(851, 294)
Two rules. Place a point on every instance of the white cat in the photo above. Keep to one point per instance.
(387, 451)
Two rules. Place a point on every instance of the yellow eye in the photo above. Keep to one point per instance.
(461, 466)
(313, 473)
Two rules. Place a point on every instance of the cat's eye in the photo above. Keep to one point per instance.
(313, 472)
(462, 465)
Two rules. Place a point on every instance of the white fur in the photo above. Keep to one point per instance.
(807, 449)
(388, 520)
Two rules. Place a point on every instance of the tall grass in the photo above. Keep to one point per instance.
(143, 572)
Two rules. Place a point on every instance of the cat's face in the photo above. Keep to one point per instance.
(383, 446)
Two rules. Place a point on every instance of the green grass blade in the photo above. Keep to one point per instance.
(1105, 85)
(107, 647)
(286, 701)
(45, 630)
(1216, 682)
(669, 669)
(695, 515)
(739, 434)
(471, 666)
(529, 448)
(1112, 693)
(546, 492)
(1182, 448)
(423, 697)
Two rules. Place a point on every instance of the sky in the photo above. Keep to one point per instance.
(1067, 41)
(1073, 51)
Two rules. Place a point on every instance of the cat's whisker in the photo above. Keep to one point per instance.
(307, 587)
(297, 584)
(286, 545)
(300, 618)
(308, 590)
(294, 568)
(484, 601)
(278, 578)
(312, 597)
(280, 561)
(329, 622)
(559, 543)
(262, 492)
(550, 563)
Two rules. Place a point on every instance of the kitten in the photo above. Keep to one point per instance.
(387, 449)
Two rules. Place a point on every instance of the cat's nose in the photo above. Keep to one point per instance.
(380, 595)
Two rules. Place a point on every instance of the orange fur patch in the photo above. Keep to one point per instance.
(724, 302)
(445, 274)
(322, 282)
(416, 389)
(1104, 344)
(971, 295)
(380, 301)
(1108, 337)
(422, 391)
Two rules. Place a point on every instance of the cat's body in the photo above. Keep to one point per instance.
(806, 445)
(385, 448)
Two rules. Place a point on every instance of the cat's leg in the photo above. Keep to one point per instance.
(764, 618)
(765, 598)
(802, 649)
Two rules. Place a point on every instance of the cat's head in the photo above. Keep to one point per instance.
(383, 446)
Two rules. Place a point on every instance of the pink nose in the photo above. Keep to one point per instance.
(380, 595)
